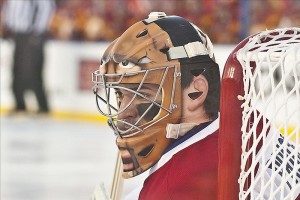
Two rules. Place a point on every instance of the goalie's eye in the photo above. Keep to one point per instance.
(126, 64)
(119, 95)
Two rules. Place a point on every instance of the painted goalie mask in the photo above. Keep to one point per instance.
(138, 85)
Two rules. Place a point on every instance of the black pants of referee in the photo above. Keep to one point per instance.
(28, 70)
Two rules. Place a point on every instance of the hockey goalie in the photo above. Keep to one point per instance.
(159, 86)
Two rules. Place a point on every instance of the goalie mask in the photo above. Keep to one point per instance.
(138, 84)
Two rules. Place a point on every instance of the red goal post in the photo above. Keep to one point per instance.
(259, 141)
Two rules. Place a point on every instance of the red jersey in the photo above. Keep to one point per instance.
(188, 170)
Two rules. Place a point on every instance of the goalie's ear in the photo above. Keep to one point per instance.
(196, 92)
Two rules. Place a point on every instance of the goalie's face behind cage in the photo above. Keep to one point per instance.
(141, 80)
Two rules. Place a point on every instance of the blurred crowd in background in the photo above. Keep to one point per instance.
(223, 20)
(97, 20)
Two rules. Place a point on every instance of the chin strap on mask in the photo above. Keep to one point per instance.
(175, 131)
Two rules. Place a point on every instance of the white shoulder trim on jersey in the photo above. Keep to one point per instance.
(195, 138)
(134, 194)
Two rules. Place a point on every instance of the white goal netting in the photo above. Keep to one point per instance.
(270, 160)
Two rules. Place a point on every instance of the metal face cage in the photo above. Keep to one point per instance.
(145, 93)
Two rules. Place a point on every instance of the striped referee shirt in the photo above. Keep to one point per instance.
(27, 16)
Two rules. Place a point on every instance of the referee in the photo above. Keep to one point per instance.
(27, 22)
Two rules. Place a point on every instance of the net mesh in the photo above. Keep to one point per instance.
(270, 160)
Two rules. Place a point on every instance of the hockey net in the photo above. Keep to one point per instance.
(260, 158)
